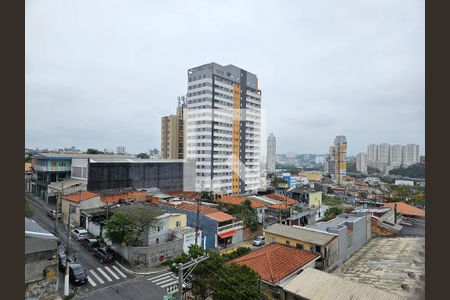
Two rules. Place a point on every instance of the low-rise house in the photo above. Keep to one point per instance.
(219, 229)
(41, 265)
(314, 285)
(75, 203)
(307, 196)
(407, 210)
(258, 206)
(277, 265)
(353, 230)
(324, 243)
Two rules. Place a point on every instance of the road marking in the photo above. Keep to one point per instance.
(165, 281)
(112, 273)
(160, 279)
(120, 272)
(97, 277)
(165, 274)
(91, 281)
(168, 284)
(104, 274)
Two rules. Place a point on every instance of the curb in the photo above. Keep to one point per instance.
(141, 273)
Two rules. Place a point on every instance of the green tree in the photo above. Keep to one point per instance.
(119, 228)
(235, 282)
(333, 211)
(143, 217)
(94, 151)
(414, 171)
(143, 155)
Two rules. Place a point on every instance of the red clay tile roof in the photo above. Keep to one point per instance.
(220, 216)
(275, 261)
(238, 200)
(283, 198)
(135, 195)
(206, 210)
(184, 194)
(75, 197)
(153, 200)
(406, 209)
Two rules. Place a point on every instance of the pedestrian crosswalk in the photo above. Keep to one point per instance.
(105, 274)
(164, 280)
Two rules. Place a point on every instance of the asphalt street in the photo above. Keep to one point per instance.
(105, 281)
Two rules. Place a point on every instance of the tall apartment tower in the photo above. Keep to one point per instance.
(384, 153)
(372, 153)
(223, 128)
(172, 133)
(361, 163)
(271, 153)
(396, 155)
(410, 154)
(336, 164)
(120, 150)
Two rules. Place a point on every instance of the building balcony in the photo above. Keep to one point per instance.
(230, 227)
(52, 169)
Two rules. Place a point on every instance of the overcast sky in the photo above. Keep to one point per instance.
(102, 73)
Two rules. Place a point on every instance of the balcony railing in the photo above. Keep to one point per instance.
(230, 227)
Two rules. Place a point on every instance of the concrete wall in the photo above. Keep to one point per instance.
(41, 275)
(238, 237)
(315, 199)
(151, 255)
(173, 221)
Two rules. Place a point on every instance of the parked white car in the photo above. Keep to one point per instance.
(79, 233)
(259, 241)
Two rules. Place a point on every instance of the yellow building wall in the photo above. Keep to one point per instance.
(312, 176)
(173, 221)
(283, 240)
(315, 199)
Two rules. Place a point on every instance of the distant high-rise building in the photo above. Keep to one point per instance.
(224, 128)
(384, 153)
(172, 133)
(120, 150)
(396, 155)
(361, 163)
(320, 159)
(336, 164)
(271, 153)
(410, 154)
(372, 152)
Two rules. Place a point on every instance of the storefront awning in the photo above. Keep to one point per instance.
(226, 234)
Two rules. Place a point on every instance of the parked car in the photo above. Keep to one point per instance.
(79, 233)
(52, 214)
(77, 274)
(259, 241)
(105, 254)
(62, 258)
(89, 244)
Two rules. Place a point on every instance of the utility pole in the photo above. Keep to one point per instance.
(58, 202)
(66, 276)
(188, 265)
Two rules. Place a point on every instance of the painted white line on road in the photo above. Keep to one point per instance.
(104, 274)
(120, 272)
(165, 274)
(112, 273)
(91, 281)
(165, 281)
(160, 279)
(168, 284)
(97, 277)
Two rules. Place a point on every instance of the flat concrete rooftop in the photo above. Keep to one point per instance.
(395, 265)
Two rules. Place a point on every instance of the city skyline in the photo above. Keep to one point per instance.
(365, 70)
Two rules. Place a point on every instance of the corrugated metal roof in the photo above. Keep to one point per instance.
(301, 233)
(317, 285)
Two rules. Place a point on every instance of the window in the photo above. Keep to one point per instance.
(158, 229)
(287, 243)
(299, 246)
(178, 224)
